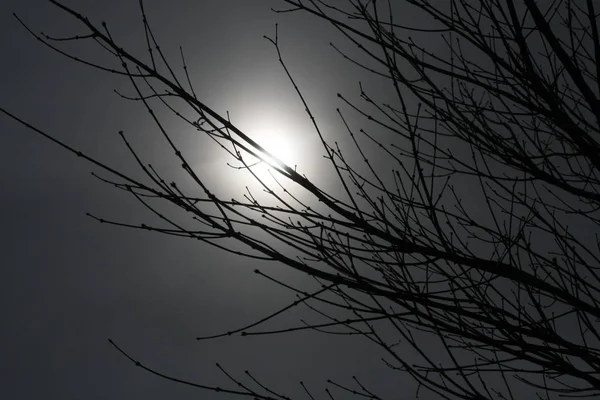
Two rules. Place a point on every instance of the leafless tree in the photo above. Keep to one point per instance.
(470, 216)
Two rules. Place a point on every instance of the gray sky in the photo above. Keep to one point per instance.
(68, 283)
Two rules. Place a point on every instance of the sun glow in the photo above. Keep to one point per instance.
(278, 146)
(280, 140)
(281, 131)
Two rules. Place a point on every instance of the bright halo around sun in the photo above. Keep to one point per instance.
(278, 143)
(278, 137)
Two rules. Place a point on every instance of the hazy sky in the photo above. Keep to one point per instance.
(69, 283)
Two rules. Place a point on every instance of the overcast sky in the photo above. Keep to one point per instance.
(69, 283)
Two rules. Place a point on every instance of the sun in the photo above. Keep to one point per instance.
(279, 138)
(280, 130)
(278, 143)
